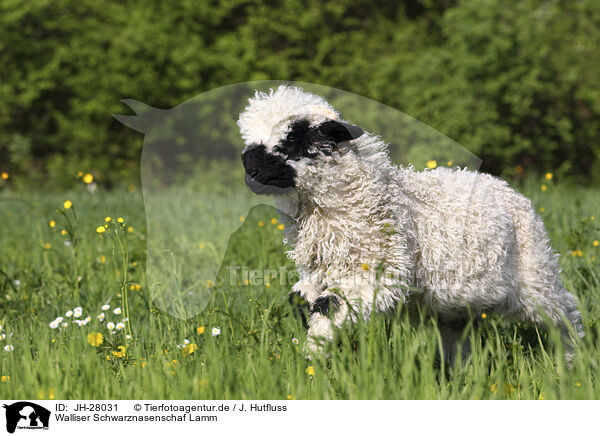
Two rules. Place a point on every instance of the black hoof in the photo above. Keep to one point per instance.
(323, 305)
(300, 306)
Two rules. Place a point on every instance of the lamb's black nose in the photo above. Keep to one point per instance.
(264, 169)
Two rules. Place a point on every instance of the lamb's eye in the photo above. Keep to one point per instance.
(296, 143)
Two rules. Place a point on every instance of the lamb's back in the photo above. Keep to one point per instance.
(463, 234)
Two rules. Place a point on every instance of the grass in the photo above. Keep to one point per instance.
(255, 355)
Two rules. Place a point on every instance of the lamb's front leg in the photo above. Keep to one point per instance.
(305, 291)
(352, 297)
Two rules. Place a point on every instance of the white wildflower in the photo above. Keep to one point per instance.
(8, 348)
(69, 313)
(101, 317)
(117, 311)
(216, 331)
(106, 307)
(110, 325)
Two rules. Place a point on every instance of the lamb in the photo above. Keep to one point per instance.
(368, 236)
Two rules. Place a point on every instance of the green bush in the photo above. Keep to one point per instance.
(515, 82)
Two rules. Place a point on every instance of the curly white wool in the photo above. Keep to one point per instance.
(451, 240)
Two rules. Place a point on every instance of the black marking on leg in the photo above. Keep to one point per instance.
(300, 307)
(322, 305)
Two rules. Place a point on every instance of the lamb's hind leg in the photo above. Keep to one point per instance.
(558, 308)
(541, 295)
(452, 333)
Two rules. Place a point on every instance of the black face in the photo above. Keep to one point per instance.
(270, 173)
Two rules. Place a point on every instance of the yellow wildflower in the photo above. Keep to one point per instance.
(67, 204)
(578, 384)
(431, 164)
(80, 174)
(261, 224)
(100, 229)
(120, 220)
(576, 253)
(549, 176)
(281, 227)
(267, 285)
(88, 178)
(47, 246)
(519, 169)
(542, 209)
(103, 257)
(365, 266)
(107, 219)
(143, 363)
(289, 397)
(52, 223)
(242, 218)
(190, 349)
(120, 351)
(310, 370)
(483, 315)
(64, 232)
(51, 394)
(95, 339)
(543, 188)
(4, 378)
(449, 163)
(200, 330)
(273, 221)
(4, 175)
(130, 229)
(596, 243)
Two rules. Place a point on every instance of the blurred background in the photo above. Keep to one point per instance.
(514, 82)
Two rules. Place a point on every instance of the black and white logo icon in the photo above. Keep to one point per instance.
(26, 415)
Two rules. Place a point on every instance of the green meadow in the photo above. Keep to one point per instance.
(244, 342)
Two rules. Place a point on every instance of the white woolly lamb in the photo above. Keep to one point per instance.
(368, 235)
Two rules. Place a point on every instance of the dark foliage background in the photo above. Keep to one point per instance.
(515, 82)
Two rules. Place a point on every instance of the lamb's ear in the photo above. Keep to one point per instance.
(339, 131)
